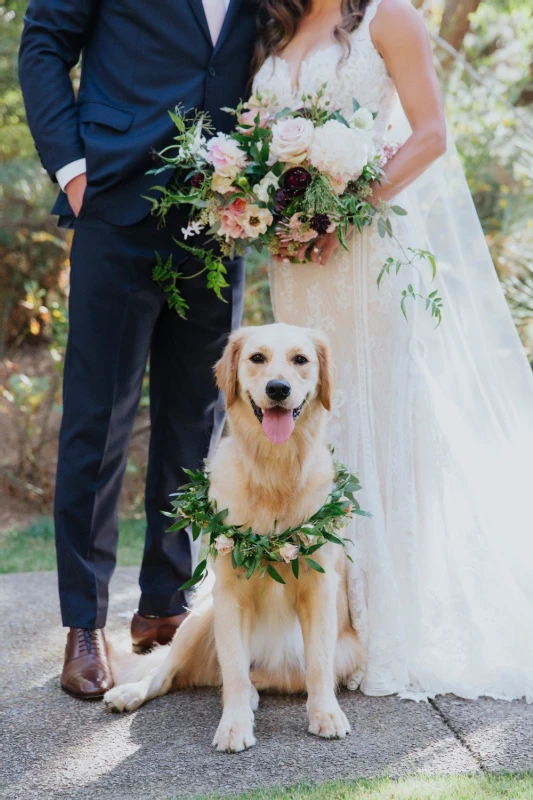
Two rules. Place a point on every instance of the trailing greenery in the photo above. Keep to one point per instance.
(256, 552)
(167, 277)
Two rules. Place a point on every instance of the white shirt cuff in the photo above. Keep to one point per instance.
(70, 171)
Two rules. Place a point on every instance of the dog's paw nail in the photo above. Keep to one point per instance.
(234, 736)
(329, 724)
(124, 698)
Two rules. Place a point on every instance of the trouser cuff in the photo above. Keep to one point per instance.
(156, 605)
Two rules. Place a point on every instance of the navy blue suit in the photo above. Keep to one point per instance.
(138, 61)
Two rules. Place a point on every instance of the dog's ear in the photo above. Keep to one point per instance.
(226, 369)
(325, 375)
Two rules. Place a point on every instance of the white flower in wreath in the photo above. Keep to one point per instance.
(224, 544)
(288, 552)
(309, 539)
(347, 505)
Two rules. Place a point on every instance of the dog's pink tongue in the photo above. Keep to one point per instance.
(278, 424)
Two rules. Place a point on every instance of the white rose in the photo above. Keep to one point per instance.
(339, 152)
(362, 119)
(224, 544)
(291, 138)
(288, 552)
(261, 190)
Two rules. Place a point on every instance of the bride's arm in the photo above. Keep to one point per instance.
(400, 37)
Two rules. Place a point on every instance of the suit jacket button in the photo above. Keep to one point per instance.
(212, 72)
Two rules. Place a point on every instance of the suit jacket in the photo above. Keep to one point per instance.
(140, 58)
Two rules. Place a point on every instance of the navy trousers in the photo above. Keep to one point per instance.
(119, 318)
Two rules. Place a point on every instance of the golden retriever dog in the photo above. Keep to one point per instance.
(250, 635)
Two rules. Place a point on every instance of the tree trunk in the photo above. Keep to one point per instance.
(526, 95)
(455, 24)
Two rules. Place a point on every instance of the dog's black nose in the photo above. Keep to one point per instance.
(278, 390)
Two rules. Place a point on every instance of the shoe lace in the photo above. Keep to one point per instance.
(88, 640)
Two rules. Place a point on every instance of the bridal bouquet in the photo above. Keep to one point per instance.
(279, 180)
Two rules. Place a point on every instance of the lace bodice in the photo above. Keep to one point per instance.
(361, 75)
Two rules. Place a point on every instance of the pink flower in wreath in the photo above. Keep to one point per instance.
(230, 227)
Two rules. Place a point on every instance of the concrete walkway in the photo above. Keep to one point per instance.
(54, 746)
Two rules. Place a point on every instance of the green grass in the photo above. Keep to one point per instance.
(454, 787)
(32, 548)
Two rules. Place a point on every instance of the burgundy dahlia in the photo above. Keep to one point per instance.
(296, 180)
(197, 180)
(320, 223)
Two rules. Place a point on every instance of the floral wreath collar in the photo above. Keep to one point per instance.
(259, 552)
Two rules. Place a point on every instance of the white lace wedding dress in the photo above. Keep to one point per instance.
(437, 423)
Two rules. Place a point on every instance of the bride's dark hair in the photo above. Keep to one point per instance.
(278, 21)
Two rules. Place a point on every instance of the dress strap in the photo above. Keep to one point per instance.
(370, 13)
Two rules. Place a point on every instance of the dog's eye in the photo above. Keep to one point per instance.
(300, 360)
(258, 358)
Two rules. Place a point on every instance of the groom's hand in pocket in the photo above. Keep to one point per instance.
(75, 190)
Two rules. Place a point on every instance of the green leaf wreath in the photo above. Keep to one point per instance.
(254, 552)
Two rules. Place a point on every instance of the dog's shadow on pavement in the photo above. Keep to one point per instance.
(164, 749)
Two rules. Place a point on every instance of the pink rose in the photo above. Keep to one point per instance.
(230, 226)
(224, 545)
(291, 138)
(288, 552)
(249, 118)
(226, 156)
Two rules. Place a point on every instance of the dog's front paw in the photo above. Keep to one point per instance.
(330, 723)
(127, 697)
(235, 733)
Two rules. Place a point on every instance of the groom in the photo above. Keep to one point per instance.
(139, 61)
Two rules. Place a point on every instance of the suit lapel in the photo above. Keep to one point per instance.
(231, 15)
(198, 9)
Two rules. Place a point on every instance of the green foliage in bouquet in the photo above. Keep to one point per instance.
(255, 552)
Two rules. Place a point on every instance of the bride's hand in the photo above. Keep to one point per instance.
(323, 248)
(320, 250)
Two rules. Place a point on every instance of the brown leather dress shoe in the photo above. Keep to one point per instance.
(146, 632)
(86, 672)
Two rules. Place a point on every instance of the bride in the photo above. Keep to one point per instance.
(437, 421)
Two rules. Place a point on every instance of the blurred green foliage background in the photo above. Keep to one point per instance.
(484, 55)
